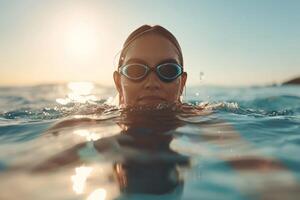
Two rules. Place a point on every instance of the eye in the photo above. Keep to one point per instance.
(169, 70)
(135, 70)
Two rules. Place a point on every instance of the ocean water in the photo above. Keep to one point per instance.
(70, 141)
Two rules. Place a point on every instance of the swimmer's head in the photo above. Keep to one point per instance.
(150, 68)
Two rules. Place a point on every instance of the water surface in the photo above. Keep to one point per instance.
(71, 142)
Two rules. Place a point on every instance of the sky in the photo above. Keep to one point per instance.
(224, 42)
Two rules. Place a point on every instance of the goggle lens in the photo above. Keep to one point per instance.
(134, 71)
(169, 71)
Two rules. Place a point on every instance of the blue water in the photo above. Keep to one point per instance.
(70, 141)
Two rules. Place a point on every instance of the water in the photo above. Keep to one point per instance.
(71, 142)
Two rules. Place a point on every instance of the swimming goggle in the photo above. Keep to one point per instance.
(166, 72)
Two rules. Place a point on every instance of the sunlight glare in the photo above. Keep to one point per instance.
(81, 88)
(81, 40)
(79, 179)
(81, 92)
(89, 136)
(98, 194)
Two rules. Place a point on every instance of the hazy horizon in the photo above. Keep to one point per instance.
(233, 43)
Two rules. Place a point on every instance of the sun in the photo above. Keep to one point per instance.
(81, 40)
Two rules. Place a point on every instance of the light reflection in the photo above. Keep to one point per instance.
(80, 93)
(90, 136)
(113, 101)
(98, 194)
(79, 179)
(81, 88)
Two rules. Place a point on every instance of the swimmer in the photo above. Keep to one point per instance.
(150, 69)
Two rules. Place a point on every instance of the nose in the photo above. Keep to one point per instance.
(152, 82)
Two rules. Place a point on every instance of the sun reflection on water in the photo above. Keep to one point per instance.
(98, 194)
(80, 92)
(90, 136)
(79, 179)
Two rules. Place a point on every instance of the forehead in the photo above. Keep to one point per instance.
(152, 49)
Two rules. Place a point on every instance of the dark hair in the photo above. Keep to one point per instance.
(149, 29)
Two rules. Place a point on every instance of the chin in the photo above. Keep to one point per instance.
(150, 102)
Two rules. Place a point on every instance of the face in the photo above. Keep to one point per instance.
(152, 50)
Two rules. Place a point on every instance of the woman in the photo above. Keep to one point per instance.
(150, 69)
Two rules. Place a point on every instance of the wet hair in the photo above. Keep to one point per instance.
(149, 29)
